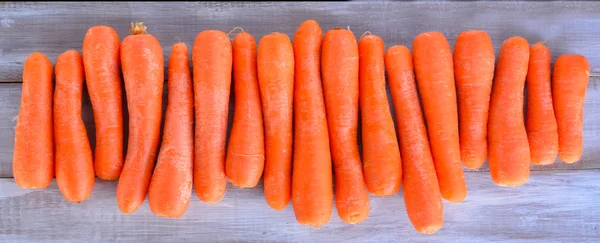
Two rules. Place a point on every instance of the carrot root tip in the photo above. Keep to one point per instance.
(138, 29)
(367, 33)
(234, 29)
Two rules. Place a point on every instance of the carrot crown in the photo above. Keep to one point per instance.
(138, 29)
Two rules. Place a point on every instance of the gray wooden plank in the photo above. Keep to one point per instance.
(567, 27)
(552, 207)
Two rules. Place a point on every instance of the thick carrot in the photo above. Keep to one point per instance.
(435, 79)
(143, 72)
(542, 131)
(276, 81)
(246, 151)
(171, 185)
(422, 195)
(33, 157)
(474, 71)
(508, 147)
(339, 67)
(312, 182)
(382, 162)
(212, 61)
(101, 47)
(74, 162)
(570, 79)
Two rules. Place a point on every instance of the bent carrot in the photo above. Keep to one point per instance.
(569, 83)
(101, 47)
(381, 165)
(473, 70)
(508, 147)
(33, 156)
(541, 127)
(435, 79)
(246, 151)
(312, 182)
(74, 164)
(212, 83)
(171, 185)
(143, 72)
(276, 81)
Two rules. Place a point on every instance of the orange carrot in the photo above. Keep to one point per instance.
(381, 165)
(246, 151)
(143, 72)
(74, 164)
(435, 79)
(276, 81)
(312, 182)
(508, 147)
(541, 125)
(33, 157)
(569, 83)
(103, 79)
(171, 185)
(473, 70)
(421, 191)
(339, 67)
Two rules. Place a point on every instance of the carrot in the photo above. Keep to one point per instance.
(473, 70)
(276, 82)
(541, 125)
(102, 65)
(422, 195)
(312, 182)
(435, 79)
(143, 72)
(246, 151)
(74, 164)
(339, 67)
(33, 156)
(382, 163)
(570, 79)
(171, 185)
(508, 147)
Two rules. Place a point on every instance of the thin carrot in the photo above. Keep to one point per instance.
(212, 61)
(33, 157)
(435, 79)
(474, 71)
(276, 81)
(101, 47)
(143, 72)
(312, 182)
(339, 67)
(74, 162)
(570, 79)
(171, 185)
(382, 162)
(246, 151)
(542, 131)
(422, 195)
(508, 148)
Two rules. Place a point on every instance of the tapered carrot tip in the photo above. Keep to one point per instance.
(456, 197)
(503, 180)
(430, 230)
(569, 158)
(127, 206)
(355, 218)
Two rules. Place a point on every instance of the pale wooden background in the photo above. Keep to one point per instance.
(560, 203)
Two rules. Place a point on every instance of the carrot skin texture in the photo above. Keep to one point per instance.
(171, 184)
(33, 156)
(212, 61)
(422, 195)
(245, 160)
(435, 79)
(339, 67)
(542, 131)
(508, 147)
(276, 81)
(570, 79)
(74, 163)
(312, 182)
(474, 71)
(382, 162)
(101, 60)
